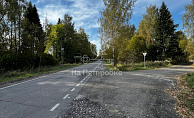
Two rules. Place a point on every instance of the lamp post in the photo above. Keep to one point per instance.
(144, 54)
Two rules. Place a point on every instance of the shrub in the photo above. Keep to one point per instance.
(12, 61)
(47, 60)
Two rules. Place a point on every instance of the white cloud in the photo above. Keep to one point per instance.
(85, 14)
(97, 43)
(173, 5)
(37, 2)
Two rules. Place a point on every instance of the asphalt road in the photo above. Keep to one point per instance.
(43, 97)
(78, 94)
(135, 94)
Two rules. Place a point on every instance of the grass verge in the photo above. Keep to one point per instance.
(18, 75)
(184, 93)
(137, 66)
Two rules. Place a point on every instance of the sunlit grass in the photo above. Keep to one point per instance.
(137, 66)
(18, 75)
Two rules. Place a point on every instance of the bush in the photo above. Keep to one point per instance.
(139, 66)
(47, 60)
(12, 61)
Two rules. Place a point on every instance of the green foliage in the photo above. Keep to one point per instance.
(47, 60)
(12, 61)
(136, 48)
(165, 30)
(157, 32)
(174, 51)
(189, 78)
(22, 40)
(114, 21)
(162, 42)
(64, 35)
(138, 66)
(147, 26)
(188, 20)
(13, 76)
(188, 24)
(185, 94)
(152, 52)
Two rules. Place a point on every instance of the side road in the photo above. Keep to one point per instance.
(135, 94)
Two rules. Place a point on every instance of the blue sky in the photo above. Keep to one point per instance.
(86, 13)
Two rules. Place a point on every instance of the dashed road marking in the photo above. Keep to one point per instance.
(97, 66)
(66, 96)
(77, 84)
(55, 107)
(72, 89)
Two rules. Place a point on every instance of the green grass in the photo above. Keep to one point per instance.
(185, 95)
(17, 75)
(137, 66)
(188, 80)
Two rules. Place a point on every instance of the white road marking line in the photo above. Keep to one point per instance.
(22, 83)
(66, 96)
(89, 74)
(55, 107)
(77, 84)
(97, 66)
(72, 89)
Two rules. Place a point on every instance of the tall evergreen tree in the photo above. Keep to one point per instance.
(174, 51)
(32, 35)
(165, 30)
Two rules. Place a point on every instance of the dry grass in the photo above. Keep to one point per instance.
(184, 93)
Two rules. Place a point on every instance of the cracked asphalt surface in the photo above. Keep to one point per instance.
(135, 94)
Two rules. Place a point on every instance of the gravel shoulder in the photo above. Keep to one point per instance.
(136, 94)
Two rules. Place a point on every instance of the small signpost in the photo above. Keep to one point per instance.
(144, 54)
(77, 57)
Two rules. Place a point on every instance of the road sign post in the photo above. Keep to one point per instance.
(77, 57)
(144, 55)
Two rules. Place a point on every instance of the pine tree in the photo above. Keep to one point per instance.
(174, 51)
(32, 36)
(165, 30)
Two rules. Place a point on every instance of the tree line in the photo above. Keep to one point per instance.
(26, 44)
(75, 43)
(156, 34)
